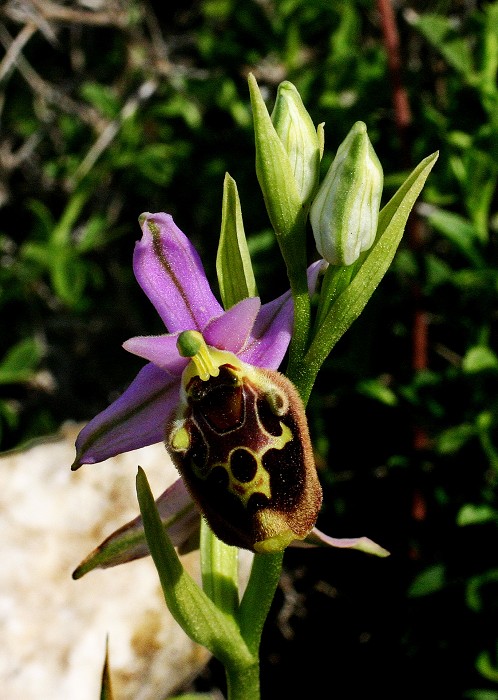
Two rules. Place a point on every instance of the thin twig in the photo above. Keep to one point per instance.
(10, 160)
(53, 12)
(15, 48)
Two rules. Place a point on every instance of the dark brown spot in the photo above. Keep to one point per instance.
(287, 478)
(218, 479)
(243, 465)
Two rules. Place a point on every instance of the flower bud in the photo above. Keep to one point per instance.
(345, 212)
(299, 137)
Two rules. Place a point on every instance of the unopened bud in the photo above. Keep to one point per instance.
(345, 212)
(298, 134)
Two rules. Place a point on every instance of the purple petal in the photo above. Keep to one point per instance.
(170, 272)
(316, 538)
(136, 419)
(231, 330)
(271, 334)
(159, 349)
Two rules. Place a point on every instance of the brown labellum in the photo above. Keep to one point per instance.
(241, 443)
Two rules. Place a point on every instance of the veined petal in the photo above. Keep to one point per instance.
(170, 272)
(136, 419)
(159, 349)
(271, 334)
(231, 330)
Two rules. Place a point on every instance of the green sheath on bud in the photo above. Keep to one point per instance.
(299, 137)
(345, 212)
(240, 441)
(274, 169)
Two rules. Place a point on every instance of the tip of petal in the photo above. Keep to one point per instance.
(154, 218)
(79, 461)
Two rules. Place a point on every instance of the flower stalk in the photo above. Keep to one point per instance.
(234, 426)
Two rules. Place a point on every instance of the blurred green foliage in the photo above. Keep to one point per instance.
(147, 111)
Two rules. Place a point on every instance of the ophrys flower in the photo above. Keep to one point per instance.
(259, 490)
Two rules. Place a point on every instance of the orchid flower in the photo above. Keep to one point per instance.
(170, 272)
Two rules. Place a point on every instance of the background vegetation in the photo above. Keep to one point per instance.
(112, 108)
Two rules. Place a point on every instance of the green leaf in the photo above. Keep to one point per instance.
(474, 596)
(189, 605)
(486, 668)
(454, 438)
(479, 359)
(95, 233)
(376, 389)
(479, 694)
(20, 362)
(479, 187)
(335, 281)
(68, 274)
(219, 566)
(489, 66)
(233, 262)
(61, 234)
(102, 97)
(471, 514)
(431, 580)
(438, 30)
(459, 231)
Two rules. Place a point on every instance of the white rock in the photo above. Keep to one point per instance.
(54, 628)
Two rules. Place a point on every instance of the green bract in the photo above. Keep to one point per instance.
(233, 262)
(345, 212)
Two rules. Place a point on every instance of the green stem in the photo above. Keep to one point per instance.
(243, 682)
(258, 597)
(293, 250)
(302, 321)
